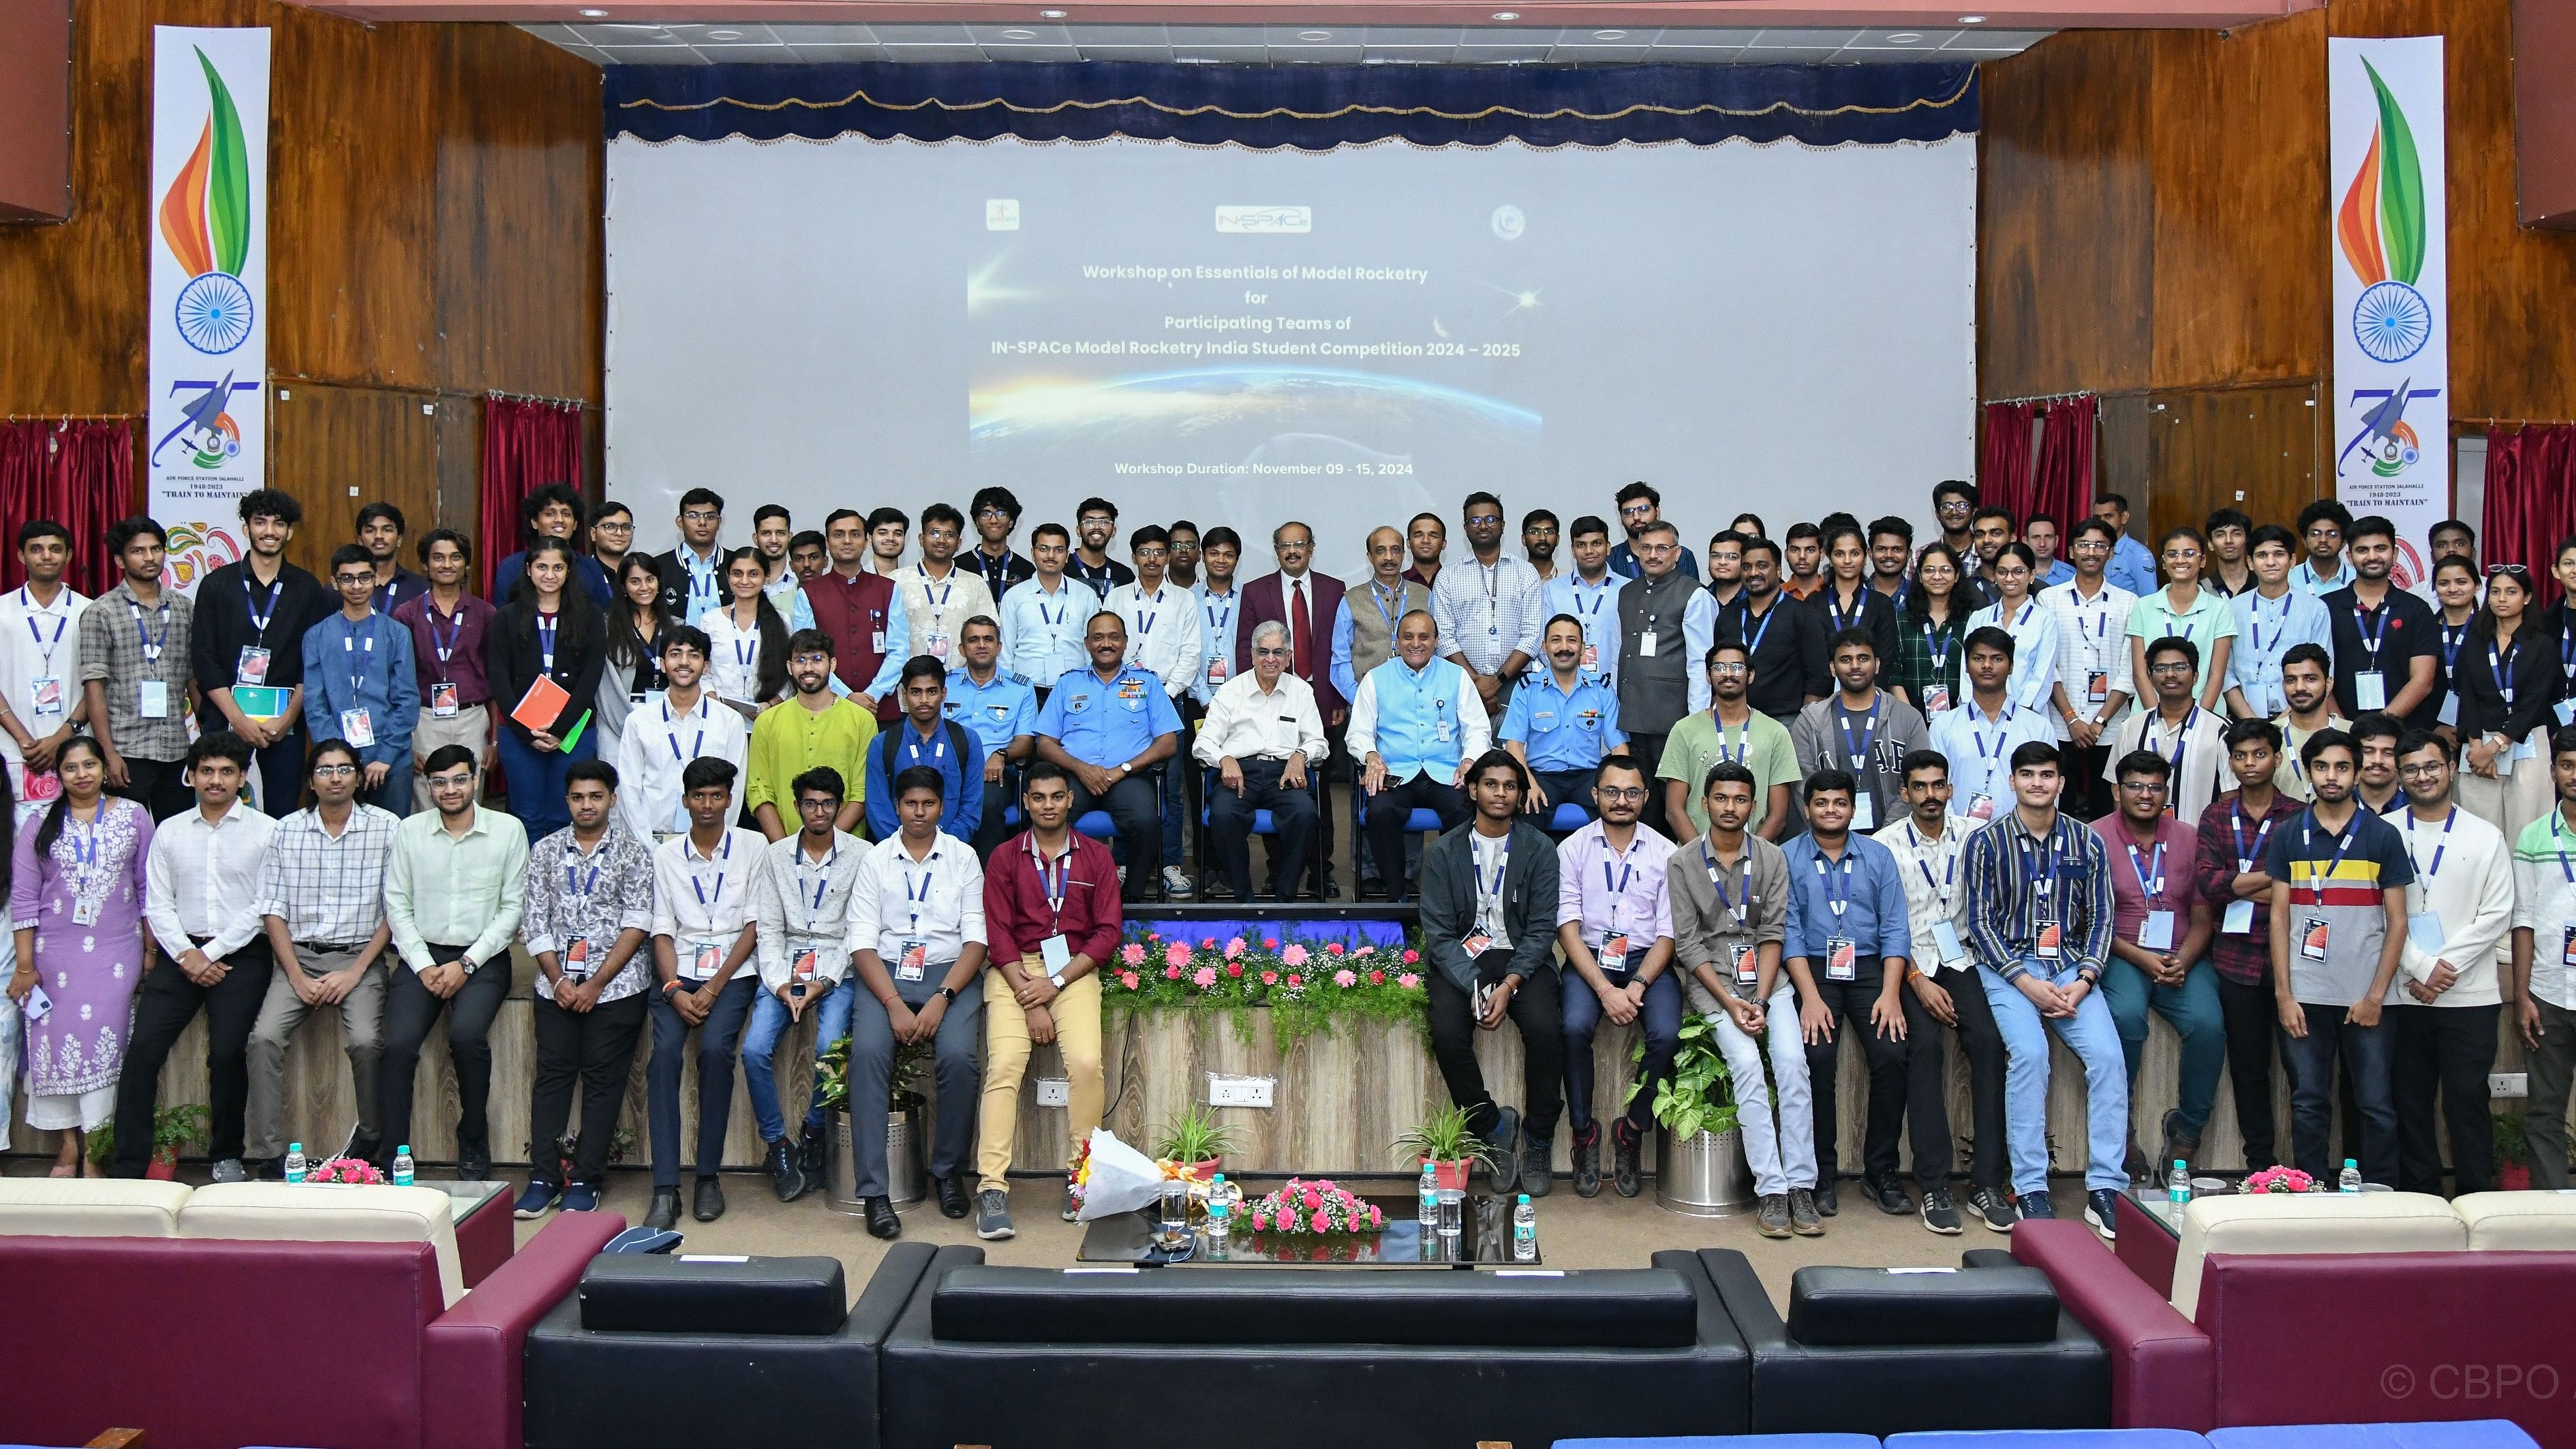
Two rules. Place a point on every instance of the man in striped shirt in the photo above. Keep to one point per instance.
(2039, 919)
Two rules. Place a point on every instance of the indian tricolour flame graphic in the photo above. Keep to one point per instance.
(205, 215)
(2381, 224)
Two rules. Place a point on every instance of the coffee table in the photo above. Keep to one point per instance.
(2150, 1228)
(1484, 1241)
(486, 1235)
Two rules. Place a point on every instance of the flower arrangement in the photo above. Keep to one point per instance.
(2279, 1179)
(1314, 1208)
(1302, 985)
(346, 1171)
(1172, 1169)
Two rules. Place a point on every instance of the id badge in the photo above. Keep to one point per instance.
(2567, 711)
(876, 642)
(1842, 959)
(2097, 686)
(2370, 689)
(1055, 954)
(84, 910)
(1864, 811)
(2046, 946)
(45, 692)
(1216, 669)
(253, 668)
(576, 961)
(1748, 968)
(706, 958)
(2313, 933)
(912, 962)
(937, 646)
(1981, 806)
(1646, 644)
(805, 964)
(1591, 657)
(2449, 713)
(2567, 946)
(2156, 932)
(1936, 699)
(1946, 945)
(2424, 930)
(442, 701)
(1613, 954)
(2239, 920)
(154, 700)
(1476, 945)
(1442, 731)
(357, 727)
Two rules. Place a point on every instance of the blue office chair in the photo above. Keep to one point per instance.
(1262, 824)
(1568, 818)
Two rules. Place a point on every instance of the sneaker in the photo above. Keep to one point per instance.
(1940, 1215)
(473, 1166)
(1625, 1143)
(581, 1197)
(1992, 1208)
(992, 1215)
(537, 1201)
(1537, 1176)
(1176, 881)
(1773, 1221)
(1502, 1169)
(1802, 1213)
(812, 1154)
(1828, 1199)
(785, 1176)
(1586, 1152)
(231, 1170)
(1889, 1197)
(2101, 1212)
(2035, 1206)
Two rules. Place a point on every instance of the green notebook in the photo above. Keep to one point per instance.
(572, 736)
(261, 701)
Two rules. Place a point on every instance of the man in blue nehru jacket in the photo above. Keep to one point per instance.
(1412, 732)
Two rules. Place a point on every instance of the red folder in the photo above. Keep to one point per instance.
(542, 705)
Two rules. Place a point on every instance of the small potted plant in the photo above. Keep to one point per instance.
(1196, 1142)
(1446, 1142)
(172, 1128)
(2512, 1153)
(907, 1171)
(1700, 1169)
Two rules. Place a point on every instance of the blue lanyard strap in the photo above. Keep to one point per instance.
(1837, 892)
(2236, 828)
(547, 624)
(2151, 880)
(151, 646)
(2308, 841)
(1858, 749)
(2372, 625)
(2501, 664)
(1949, 867)
(259, 616)
(1717, 880)
(698, 883)
(2428, 872)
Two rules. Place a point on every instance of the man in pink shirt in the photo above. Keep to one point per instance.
(2160, 931)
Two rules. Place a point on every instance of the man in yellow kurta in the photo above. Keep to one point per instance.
(812, 727)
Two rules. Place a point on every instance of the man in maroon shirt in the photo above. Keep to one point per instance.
(852, 604)
(1052, 920)
(2234, 831)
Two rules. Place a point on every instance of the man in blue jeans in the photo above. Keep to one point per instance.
(702, 937)
(800, 902)
(2339, 878)
(2161, 925)
(2039, 920)
(1615, 926)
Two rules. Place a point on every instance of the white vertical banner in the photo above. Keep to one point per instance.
(2392, 311)
(208, 407)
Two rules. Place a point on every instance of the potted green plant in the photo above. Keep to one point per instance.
(2512, 1153)
(1196, 1138)
(1444, 1140)
(173, 1127)
(907, 1170)
(1699, 1153)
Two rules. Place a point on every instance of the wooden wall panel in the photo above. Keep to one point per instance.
(2064, 254)
(341, 448)
(2254, 448)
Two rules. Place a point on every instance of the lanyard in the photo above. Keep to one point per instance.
(1378, 596)
(1949, 867)
(1502, 865)
(546, 626)
(2502, 665)
(1859, 750)
(2558, 841)
(2151, 881)
(1977, 735)
(1217, 622)
(1600, 596)
(2019, 619)
(703, 581)
(48, 646)
(1743, 742)
(2236, 828)
(2047, 884)
(2095, 638)
(574, 882)
(821, 887)
(1742, 870)
(671, 736)
(2352, 832)
(1837, 893)
(260, 616)
(1753, 643)
(1618, 884)
(358, 666)
(2428, 872)
(84, 841)
(2371, 624)
(746, 646)
(455, 630)
(1062, 608)
(2181, 738)
(947, 586)
(698, 883)
(1146, 612)
(2453, 636)
(151, 646)
(929, 877)
(1834, 607)
(1941, 652)
(2280, 626)
(1052, 875)
(938, 748)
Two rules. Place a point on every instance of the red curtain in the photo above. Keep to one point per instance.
(2061, 485)
(2530, 496)
(2003, 466)
(80, 474)
(526, 445)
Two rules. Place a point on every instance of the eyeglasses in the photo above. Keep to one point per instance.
(1636, 510)
(2423, 769)
(2143, 787)
(2171, 666)
(333, 772)
(699, 515)
(1622, 793)
(992, 512)
(1262, 651)
(2517, 570)
(1727, 670)
(350, 581)
(605, 527)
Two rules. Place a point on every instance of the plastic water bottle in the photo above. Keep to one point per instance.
(1524, 1231)
(1429, 1208)
(2178, 1183)
(294, 1162)
(402, 1165)
(1220, 1209)
(2350, 1180)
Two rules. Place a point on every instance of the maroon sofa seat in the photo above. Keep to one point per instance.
(213, 1344)
(2328, 1338)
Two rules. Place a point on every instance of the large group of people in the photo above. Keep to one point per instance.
(1845, 783)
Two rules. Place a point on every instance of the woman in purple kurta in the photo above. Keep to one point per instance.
(76, 903)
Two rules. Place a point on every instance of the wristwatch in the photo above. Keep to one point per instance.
(1126, 769)
(946, 993)
(1056, 980)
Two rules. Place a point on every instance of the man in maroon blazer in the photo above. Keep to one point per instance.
(1307, 603)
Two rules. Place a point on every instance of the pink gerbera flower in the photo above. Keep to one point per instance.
(1377, 978)
(1204, 978)
(1269, 978)
(1171, 973)
(1345, 978)
(1176, 954)
(1408, 981)
(1127, 979)
(1234, 948)
(1294, 956)
(1133, 953)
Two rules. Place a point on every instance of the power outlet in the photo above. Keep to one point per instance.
(2508, 1084)
(1232, 1091)
(1054, 1092)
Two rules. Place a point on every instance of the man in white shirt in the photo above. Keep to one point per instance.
(1262, 735)
(1219, 553)
(1042, 624)
(1162, 635)
(2193, 740)
(2442, 1008)
(1979, 737)
(1944, 997)
(703, 933)
(200, 893)
(935, 596)
(1487, 609)
(915, 938)
(2093, 687)
(665, 734)
(800, 898)
(41, 700)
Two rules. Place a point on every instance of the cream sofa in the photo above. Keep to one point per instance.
(73, 1207)
(2369, 1222)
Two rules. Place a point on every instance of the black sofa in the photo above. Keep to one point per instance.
(655, 1352)
(1032, 1358)
(1869, 1351)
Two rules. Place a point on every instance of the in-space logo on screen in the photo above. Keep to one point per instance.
(1265, 220)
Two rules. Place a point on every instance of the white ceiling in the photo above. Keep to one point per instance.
(755, 44)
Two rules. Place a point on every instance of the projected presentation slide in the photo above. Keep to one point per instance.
(1240, 336)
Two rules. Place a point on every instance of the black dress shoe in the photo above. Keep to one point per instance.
(664, 1214)
(954, 1200)
(814, 1155)
(1828, 1202)
(710, 1204)
(882, 1221)
(785, 1176)
(473, 1166)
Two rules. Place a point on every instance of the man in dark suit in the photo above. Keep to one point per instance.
(693, 573)
(1307, 602)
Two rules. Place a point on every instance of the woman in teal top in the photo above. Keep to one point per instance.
(2184, 609)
